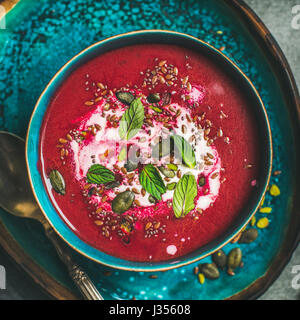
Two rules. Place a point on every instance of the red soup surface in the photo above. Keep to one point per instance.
(149, 152)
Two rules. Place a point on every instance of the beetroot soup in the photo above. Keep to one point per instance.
(149, 152)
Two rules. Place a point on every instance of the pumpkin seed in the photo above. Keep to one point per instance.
(57, 181)
(166, 172)
(171, 186)
(111, 185)
(210, 271)
(123, 201)
(172, 166)
(151, 199)
(248, 235)
(125, 97)
(130, 166)
(234, 258)
(220, 259)
(201, 181)
(153, 98)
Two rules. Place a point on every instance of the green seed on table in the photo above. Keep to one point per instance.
(248, 235)
(220, 259)
(210, 271)
(234, 258)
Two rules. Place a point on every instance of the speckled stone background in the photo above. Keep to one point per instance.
(277, 15)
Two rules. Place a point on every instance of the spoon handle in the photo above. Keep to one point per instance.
(80, 278)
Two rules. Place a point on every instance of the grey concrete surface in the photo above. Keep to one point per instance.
(277, 15)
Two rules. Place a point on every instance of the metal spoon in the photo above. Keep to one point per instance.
(16, 197)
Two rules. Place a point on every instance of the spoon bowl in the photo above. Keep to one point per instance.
(16, 195)
(17, 198)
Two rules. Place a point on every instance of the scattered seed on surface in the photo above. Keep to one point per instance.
(201, 278)
(262, 223)
(274, 190)
(265, 210)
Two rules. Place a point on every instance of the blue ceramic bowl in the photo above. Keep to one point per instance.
(147, 36)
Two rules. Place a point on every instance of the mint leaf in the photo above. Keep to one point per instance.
(98, 174)
(132, 120)
(152, 182)
(185, 150)
(184, 195)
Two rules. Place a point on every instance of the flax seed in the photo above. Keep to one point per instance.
(189, 87)
(148, 226)
(136, 191)
(123, 170)
(220, 133)
(183, 128)
(69, 137)
(162, 79)
(98, 222)
(210, 142)
(226, 140)
(62, 152)
(175, 71)
(154, 79)
(162, 63)
(207, 131)
(156, 225)
(99, 210)
(192, 138)
(213, 176)
(94, 131)
(164, 70)
(179, 174)
(100, 85)
(62, 140)
(130, 175)
(185, 80)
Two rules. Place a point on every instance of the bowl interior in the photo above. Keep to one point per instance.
(140, 37)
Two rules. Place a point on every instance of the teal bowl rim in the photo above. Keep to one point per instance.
(41, 195)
